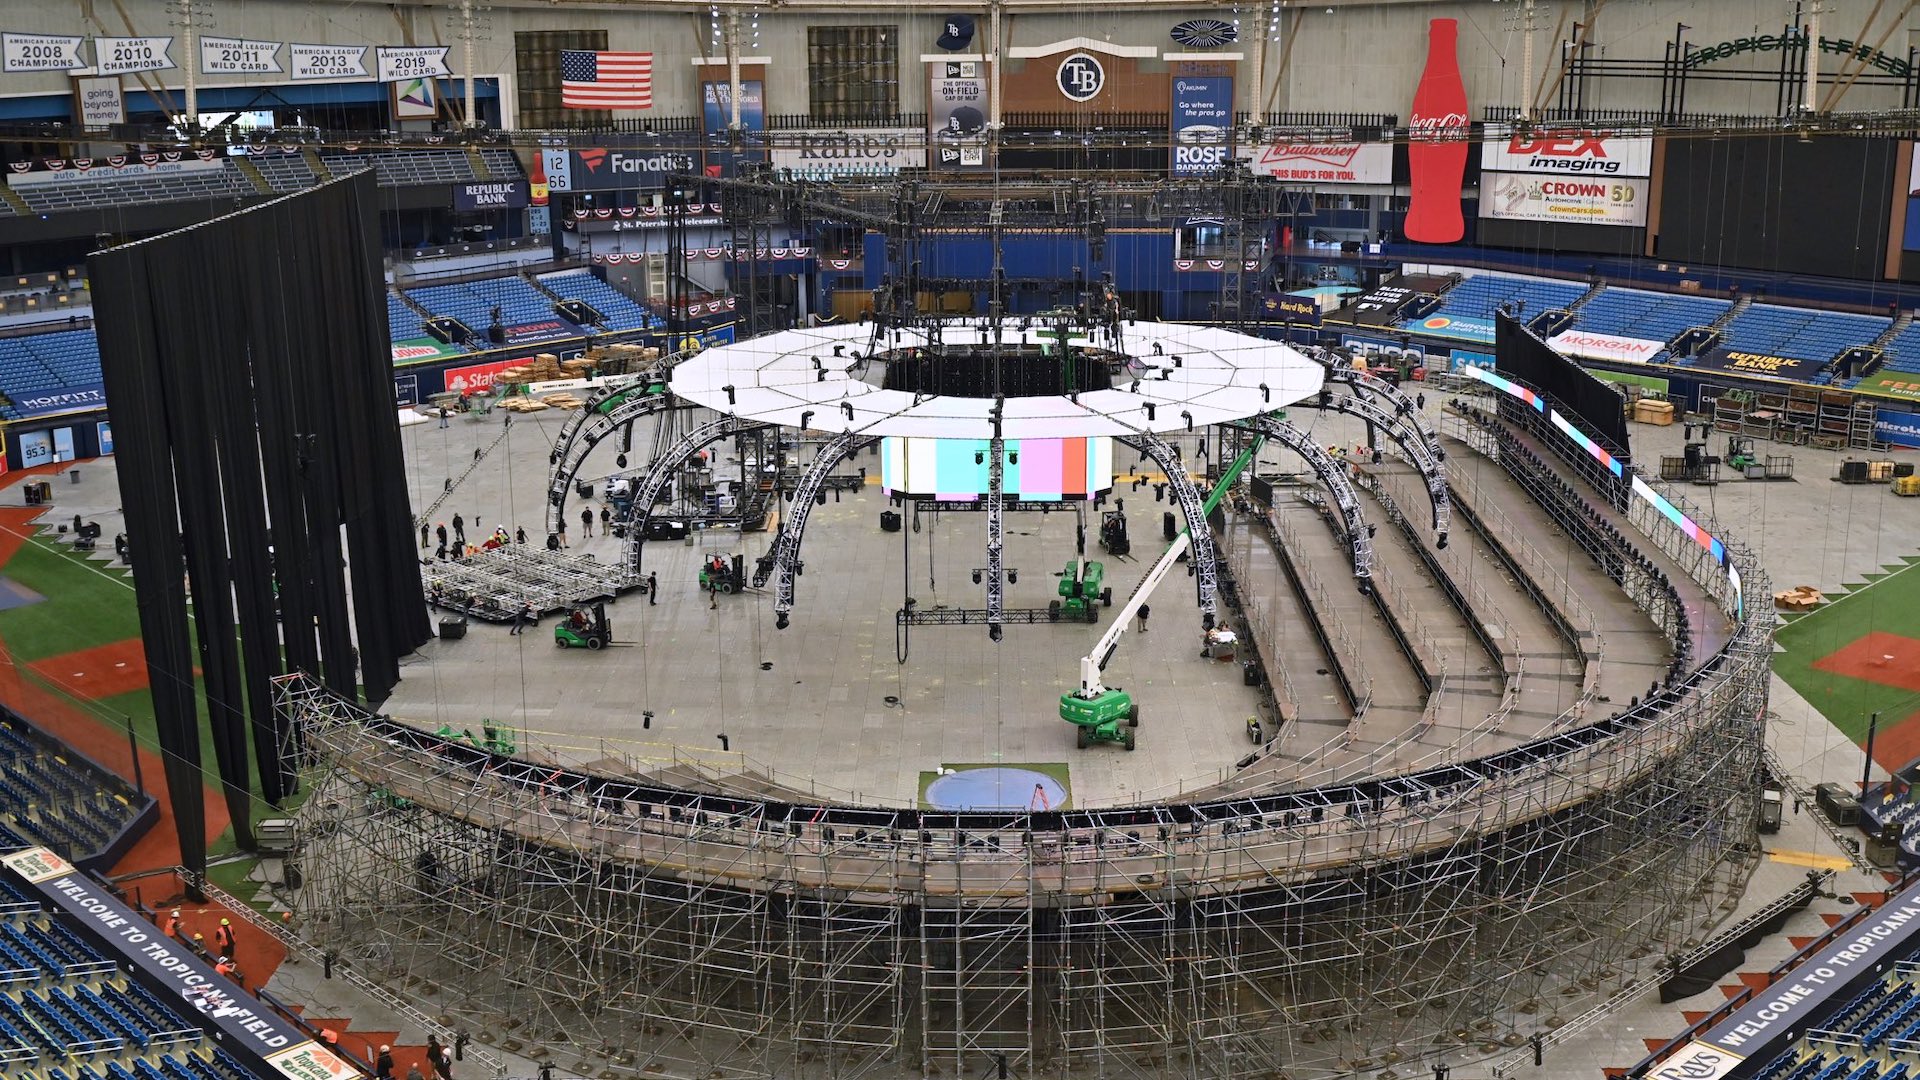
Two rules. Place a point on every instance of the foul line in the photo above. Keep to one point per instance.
(1831, 604)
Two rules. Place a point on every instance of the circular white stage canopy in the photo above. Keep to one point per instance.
(774, 380)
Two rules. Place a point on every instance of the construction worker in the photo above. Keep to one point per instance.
(224, 967)
(172, 925)
(383, 1065)
(223, 938)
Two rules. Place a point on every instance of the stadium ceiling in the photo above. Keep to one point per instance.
(934, 8)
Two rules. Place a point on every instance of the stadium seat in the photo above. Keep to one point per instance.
(620, 310)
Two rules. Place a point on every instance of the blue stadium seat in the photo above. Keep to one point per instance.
(621, 312)
(1650, 316)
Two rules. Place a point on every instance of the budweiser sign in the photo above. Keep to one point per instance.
(1322, 163)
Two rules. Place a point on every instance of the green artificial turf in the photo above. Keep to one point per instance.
(1891, 603)
(86, 603)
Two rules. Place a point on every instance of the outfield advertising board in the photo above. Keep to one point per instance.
(1281, 307)
(1735, 362)
(415, 350)
(1620, 350)
(1564, 152)
(1899, 384)
(1384, 352)
(1586, 200)
(1461, 358)
(1321, 163)
(1454, 326)
(1897, 427)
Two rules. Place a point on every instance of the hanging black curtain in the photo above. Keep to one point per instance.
(247, 373)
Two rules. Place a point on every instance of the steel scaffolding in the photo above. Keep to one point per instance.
(647, 929)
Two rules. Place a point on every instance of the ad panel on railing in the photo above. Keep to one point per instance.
(1581, 200)
(244, 1024)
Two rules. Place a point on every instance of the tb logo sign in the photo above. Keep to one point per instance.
(1081, 77)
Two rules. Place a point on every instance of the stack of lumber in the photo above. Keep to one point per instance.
(1799, 598)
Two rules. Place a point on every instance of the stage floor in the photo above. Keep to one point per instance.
(826, 705)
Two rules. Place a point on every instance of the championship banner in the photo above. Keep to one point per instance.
(234, 56)
(957, 114)
(400, 64)
(124, 55)
(327, 61)
(1620, 350)
(1576, 200)
(1734, 362)
(1322, 163)
(1202, 121)
(1566, 151)
(40, 52)
(829, 154)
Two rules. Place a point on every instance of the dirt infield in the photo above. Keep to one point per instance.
(100, 672)
(1878, 657)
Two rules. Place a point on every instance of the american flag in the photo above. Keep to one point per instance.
(606, 80)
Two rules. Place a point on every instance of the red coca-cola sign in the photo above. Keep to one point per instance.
(1437, 141)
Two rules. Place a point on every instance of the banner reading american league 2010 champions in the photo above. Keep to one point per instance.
(957, 114)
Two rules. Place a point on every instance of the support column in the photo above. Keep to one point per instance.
(190, 61)
(992, 52)
(733, 72)
(466, 58)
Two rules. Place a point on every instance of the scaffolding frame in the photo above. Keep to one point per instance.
(1354, 927)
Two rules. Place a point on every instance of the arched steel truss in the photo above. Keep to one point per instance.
(1410, 417)
(663, 468)
(783, 559)
(1206, 576)
(1335, 478)
(1419, 451)
(608, 411)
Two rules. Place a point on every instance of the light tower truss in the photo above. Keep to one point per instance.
(1418, 450)
(1206, 575)
(783, 560)
(611, 410)
(661, 470)
(1330, 473)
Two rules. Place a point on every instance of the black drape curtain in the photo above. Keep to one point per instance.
(248, 378)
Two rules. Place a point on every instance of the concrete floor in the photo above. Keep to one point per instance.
(827, 706)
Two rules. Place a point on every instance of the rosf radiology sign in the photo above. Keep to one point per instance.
(1081, 78)
(1202, 118)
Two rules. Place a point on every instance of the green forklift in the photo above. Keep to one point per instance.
(1108, 714)
(722, 573)
(584, 628)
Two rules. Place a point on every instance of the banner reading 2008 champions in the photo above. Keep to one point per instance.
(957, 114)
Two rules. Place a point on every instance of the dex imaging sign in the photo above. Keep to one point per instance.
(1567, 151)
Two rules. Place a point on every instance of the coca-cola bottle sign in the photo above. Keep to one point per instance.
(1437, 141)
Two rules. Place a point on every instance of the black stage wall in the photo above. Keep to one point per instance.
(1775, 202)
(248, 378)
(1520, 354)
